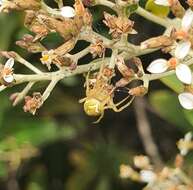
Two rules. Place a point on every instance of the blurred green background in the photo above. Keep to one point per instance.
(69, 152)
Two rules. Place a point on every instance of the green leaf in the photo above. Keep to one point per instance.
(167, 105)
(3, 170)
(189, 116)
(158, 10)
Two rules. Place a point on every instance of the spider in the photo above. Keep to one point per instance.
(100, 94)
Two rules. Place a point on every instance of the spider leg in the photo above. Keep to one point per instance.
(119, 103)
(98, 120)
(87, 82)
(123, 107)
(82, 100)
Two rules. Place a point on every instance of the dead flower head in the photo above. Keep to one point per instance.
(97, 49)
(118, 25)
(33, 103)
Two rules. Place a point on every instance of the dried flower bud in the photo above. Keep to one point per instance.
(33, 103)
(177, 9)
(190, 3)
(35, 25)
(118, 25)
(124, 69)
(13, 96)
(83, 15)
(28, 43)
(89, 2)
(97, 49)
(157, 42)
(138, 91)
(21, 5)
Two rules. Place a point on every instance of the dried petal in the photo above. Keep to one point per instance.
(182, 49)
(158, 66)
(187, 20)
(67, 12)
(184, 73)
(186, 100)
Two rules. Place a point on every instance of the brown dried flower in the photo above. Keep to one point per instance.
(97, 49)
(118, 25)
(33, 103)
(21, 5)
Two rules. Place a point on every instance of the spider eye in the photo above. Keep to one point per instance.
(93, 107)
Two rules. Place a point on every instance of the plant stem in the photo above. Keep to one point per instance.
(161, 21)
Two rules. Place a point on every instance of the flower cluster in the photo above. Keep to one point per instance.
(167, 177)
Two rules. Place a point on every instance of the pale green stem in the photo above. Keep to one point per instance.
(166, 22)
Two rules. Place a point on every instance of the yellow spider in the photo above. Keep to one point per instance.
(100, 94)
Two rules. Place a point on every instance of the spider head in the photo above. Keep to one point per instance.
(93, 107)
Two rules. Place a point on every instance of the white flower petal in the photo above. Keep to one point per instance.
(158, 66)
(9, 63)
(182, 49)
(184, 73)
(8, 78)
(186, 100)
(187, 20)
(162, 2)
(67, 12)
(147, 176)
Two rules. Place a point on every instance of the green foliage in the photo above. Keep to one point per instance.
(167, 105)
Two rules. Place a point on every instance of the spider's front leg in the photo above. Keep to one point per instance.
(114, 106)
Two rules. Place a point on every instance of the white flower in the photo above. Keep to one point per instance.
(7, 72)
(158, 66)
(47, 58)
(186, 100)
(185, 144)
(184, 46)
(183, 72)
(67, 12)
(162, 2)
(147, 176)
